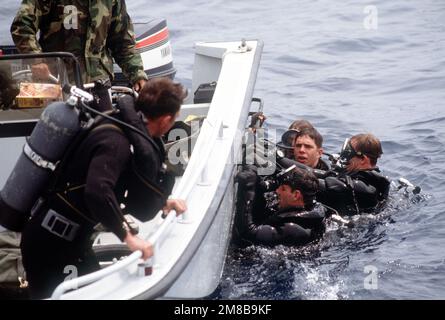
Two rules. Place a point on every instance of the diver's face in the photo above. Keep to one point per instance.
(306, 151)
(289, 198)
(166, 122)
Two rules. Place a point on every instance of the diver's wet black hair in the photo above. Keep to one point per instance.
(160, 96)
(306, 182)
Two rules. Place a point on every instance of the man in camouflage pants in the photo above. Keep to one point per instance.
(95, 31)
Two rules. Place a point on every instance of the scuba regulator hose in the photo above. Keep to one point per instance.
(106, 116)
(85, 96)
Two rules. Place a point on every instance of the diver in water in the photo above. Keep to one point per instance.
(304, 143)
(355, 185)
(278, 209)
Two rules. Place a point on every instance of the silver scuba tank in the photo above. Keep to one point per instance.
(56, 129)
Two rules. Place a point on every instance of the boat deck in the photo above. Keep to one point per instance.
(18, 122)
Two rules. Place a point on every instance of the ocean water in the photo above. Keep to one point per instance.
(348, 68)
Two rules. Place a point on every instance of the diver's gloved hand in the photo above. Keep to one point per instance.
(257, 120)
(247, 176)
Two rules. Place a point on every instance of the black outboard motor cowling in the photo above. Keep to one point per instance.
(56, 129)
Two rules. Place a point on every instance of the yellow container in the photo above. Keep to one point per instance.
(36, 102)
(38, 95)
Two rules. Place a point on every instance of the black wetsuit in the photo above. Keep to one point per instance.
(258, 224)
(356, 192)
(322, 165)
(89, 192)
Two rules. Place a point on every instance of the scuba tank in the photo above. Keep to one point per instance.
(53, 133)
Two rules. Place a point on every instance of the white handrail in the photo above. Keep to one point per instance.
(155, 239)
(122, 89)
(92, 277)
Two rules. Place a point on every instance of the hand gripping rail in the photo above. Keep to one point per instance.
(156, 239)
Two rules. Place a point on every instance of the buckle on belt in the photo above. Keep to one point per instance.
(60, 225)
(37, 159)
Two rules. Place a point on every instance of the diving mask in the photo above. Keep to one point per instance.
(288, 139)
(347, 153)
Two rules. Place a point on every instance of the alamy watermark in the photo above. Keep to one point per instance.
(71, 17)
(371, 280)
(371, 21)
(72, 274)
(256, 150)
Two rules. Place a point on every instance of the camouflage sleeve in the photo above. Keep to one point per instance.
(121, 41)
(25, 26)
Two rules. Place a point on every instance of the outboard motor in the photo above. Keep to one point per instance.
(153, 43)
(56, 129)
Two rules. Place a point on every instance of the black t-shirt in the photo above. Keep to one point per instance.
(89, 180)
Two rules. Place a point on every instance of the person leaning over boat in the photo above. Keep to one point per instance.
(288, 215)
(96, 32)
(356, 185)
(89, 192)
(304, 143)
